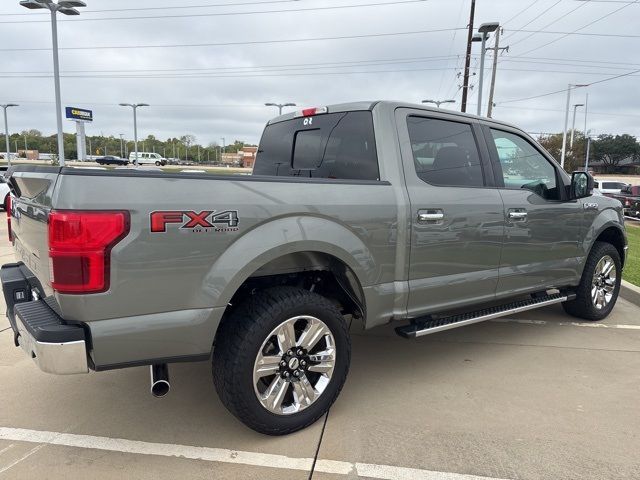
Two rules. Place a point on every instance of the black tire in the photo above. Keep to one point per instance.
(241, 336)
(583, 305)
(158, 164)
(5, 202)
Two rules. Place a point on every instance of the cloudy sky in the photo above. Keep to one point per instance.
(206, 67)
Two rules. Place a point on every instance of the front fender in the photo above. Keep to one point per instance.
(284, 236)
(610, 216)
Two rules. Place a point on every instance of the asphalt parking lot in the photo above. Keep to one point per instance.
(535, 396)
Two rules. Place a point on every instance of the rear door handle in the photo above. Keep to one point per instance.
(517, 215)
(430, 216)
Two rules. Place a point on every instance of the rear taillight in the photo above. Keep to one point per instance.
(7, 208)
(80, 244)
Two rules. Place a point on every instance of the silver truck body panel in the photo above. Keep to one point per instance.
(169, 290)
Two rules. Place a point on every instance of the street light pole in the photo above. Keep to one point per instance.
(279, 106)
(573, 123)
(566, 122)
(484, 30)
(121, 145)
(135, 106)
(6, 131)
(66, 7)
(438, 102)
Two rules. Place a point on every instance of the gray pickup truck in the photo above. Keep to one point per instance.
(360, 214)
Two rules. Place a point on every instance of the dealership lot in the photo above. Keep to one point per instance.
(534, 396)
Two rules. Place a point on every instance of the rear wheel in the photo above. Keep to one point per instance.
(600, 284)
(281, 359)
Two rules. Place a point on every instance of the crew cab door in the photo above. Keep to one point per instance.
(457, 218)
(542, 227)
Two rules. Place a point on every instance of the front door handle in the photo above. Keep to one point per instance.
(517, 215)
(430, 216)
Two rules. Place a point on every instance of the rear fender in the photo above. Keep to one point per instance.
(285, 236)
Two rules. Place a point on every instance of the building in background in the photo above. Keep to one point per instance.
(248, 156)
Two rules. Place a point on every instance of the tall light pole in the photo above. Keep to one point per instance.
(6, 130)
(484, 31)
(279, 106)
(122, 145)
(66, 7)
(573, 123)
(134, 107)
(566, 122)
(438, 102)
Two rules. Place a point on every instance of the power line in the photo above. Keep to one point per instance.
(283, 73)
(521, 12)
(533, 19)
(350, 63)
(581, 28)
(225, 14)
(298, 40)
(225, 44)
(173, 7)
(565, 89)
(561, 17)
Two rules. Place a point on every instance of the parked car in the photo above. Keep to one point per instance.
(630, 199)
(368, 212)
(148, 158)
(4, 193)
(610, 188)
(111, 160)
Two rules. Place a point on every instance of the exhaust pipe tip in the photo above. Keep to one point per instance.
(160, 388)
(160, 385)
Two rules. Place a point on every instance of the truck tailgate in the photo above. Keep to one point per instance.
(32, 199)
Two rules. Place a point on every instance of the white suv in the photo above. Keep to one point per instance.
(146, 158)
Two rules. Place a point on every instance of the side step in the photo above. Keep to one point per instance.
(426, 325)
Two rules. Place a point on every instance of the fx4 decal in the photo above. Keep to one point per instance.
(207, 220)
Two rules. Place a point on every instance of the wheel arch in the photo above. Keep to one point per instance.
(294, 246)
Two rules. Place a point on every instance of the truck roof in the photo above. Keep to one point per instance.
(392, 105)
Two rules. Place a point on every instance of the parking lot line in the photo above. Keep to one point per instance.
(380, 472)
(566, 324)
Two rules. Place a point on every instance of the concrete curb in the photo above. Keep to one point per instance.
(630, 292)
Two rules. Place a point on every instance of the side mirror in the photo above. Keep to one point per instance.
(582, 185)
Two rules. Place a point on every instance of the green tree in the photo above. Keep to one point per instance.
(610, 150)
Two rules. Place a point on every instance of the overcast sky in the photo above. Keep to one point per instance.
(215, 91)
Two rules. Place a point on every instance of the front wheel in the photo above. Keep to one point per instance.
(157, 164)
(281, 359)
(600, 284)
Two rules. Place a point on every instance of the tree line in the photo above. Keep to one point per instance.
(607, 150)
(184, 147)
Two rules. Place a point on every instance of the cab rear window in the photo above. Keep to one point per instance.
(335, 145)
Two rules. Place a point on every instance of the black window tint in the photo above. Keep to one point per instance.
(307, 149)
(335, 145)
(445, 152)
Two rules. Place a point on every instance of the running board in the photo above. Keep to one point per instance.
(426, 325)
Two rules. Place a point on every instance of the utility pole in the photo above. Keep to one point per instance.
(573, 123)
(495, 49)
(467, 61)
(121, 146)
(566, 122)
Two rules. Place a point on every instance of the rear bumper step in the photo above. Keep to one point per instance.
(427, 325)
(55, 346)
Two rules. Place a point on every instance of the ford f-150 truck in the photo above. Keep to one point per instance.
(361, 213)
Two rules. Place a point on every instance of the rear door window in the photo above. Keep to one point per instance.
(445, 152)
(334, 145)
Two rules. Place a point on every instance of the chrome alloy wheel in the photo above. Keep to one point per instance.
(294, 365)
(603, 283)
